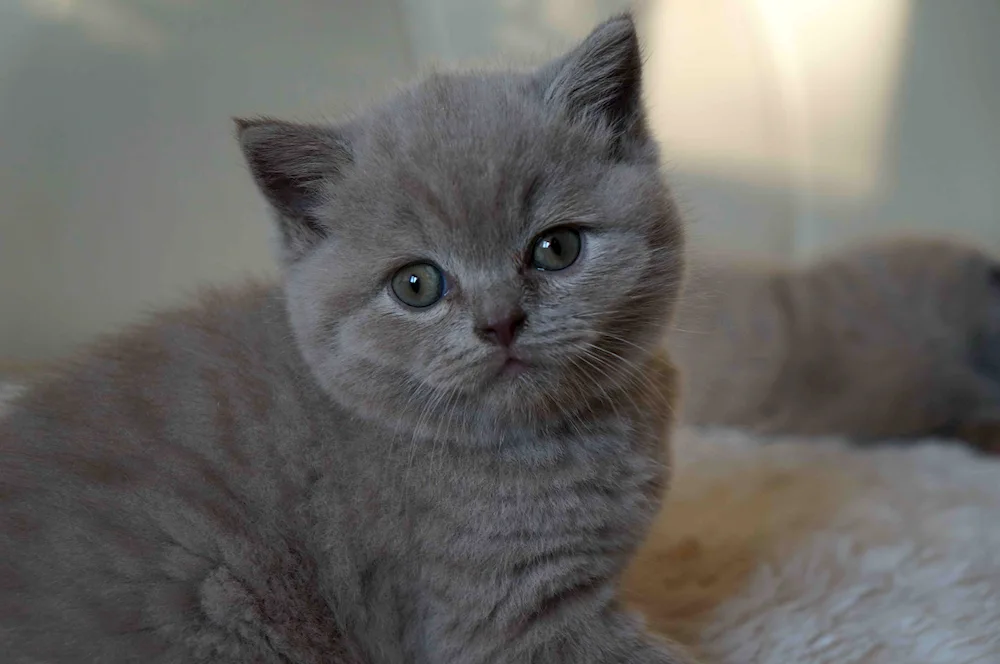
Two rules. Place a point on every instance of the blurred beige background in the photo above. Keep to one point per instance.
(788, 126)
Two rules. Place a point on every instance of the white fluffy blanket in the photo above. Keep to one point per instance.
(813, 551)
(810, 551)
(7, 392)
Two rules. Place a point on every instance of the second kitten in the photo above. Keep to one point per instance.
(897, 338)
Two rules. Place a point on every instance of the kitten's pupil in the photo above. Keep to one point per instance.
(553, 245)
(415, 284)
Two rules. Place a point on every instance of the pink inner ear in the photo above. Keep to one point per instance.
(292, 162)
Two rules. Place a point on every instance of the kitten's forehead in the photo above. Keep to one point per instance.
(455, 109)
(466, 158)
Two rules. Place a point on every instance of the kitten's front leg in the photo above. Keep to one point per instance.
(614, 638)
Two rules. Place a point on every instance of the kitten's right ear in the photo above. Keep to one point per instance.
(294, 166)
(599, 83)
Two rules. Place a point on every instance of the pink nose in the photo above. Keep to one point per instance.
(503, 329)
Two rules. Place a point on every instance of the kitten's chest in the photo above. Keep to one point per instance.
(497, 514)
(497, 544)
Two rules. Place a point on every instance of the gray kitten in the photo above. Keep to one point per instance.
(893, 338)
(440, 440)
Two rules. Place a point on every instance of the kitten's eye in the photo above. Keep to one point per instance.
(418, 285)
(556, 249)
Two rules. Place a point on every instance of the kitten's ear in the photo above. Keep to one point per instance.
(600, 81)
(294, 166)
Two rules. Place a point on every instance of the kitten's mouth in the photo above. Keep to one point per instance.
(513, 366)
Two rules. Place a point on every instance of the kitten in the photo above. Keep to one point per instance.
(439, 440)
(896, 338)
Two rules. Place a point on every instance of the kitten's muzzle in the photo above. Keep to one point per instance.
(503, 329)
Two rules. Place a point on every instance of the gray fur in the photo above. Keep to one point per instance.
(314, 473)
(894, 338)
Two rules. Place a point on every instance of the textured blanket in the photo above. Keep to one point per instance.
(809, 551)
(7, 392)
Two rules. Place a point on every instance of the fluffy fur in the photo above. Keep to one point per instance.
(898, 338)
(316, 473)
(806, 550)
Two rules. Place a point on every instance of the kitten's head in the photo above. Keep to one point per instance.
(482, 250)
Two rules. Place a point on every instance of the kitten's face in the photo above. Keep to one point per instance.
(486, 260)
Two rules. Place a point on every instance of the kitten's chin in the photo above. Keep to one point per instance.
(513, 367)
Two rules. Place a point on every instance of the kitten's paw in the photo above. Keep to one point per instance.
(649, 648)
(670, 653)
(984, 436)
(622, 639)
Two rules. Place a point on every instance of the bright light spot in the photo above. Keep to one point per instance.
(776, 91)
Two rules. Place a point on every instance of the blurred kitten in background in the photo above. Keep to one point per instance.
(896, 338)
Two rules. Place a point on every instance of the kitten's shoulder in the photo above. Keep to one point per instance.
(223, 337)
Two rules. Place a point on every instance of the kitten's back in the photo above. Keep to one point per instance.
(729, 338)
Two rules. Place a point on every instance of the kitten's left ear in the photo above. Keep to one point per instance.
(599, 82)
(295, 166)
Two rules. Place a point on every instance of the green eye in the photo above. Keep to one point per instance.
(556, 249)
(418, 285)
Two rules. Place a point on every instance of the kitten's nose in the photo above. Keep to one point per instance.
(502, 329)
